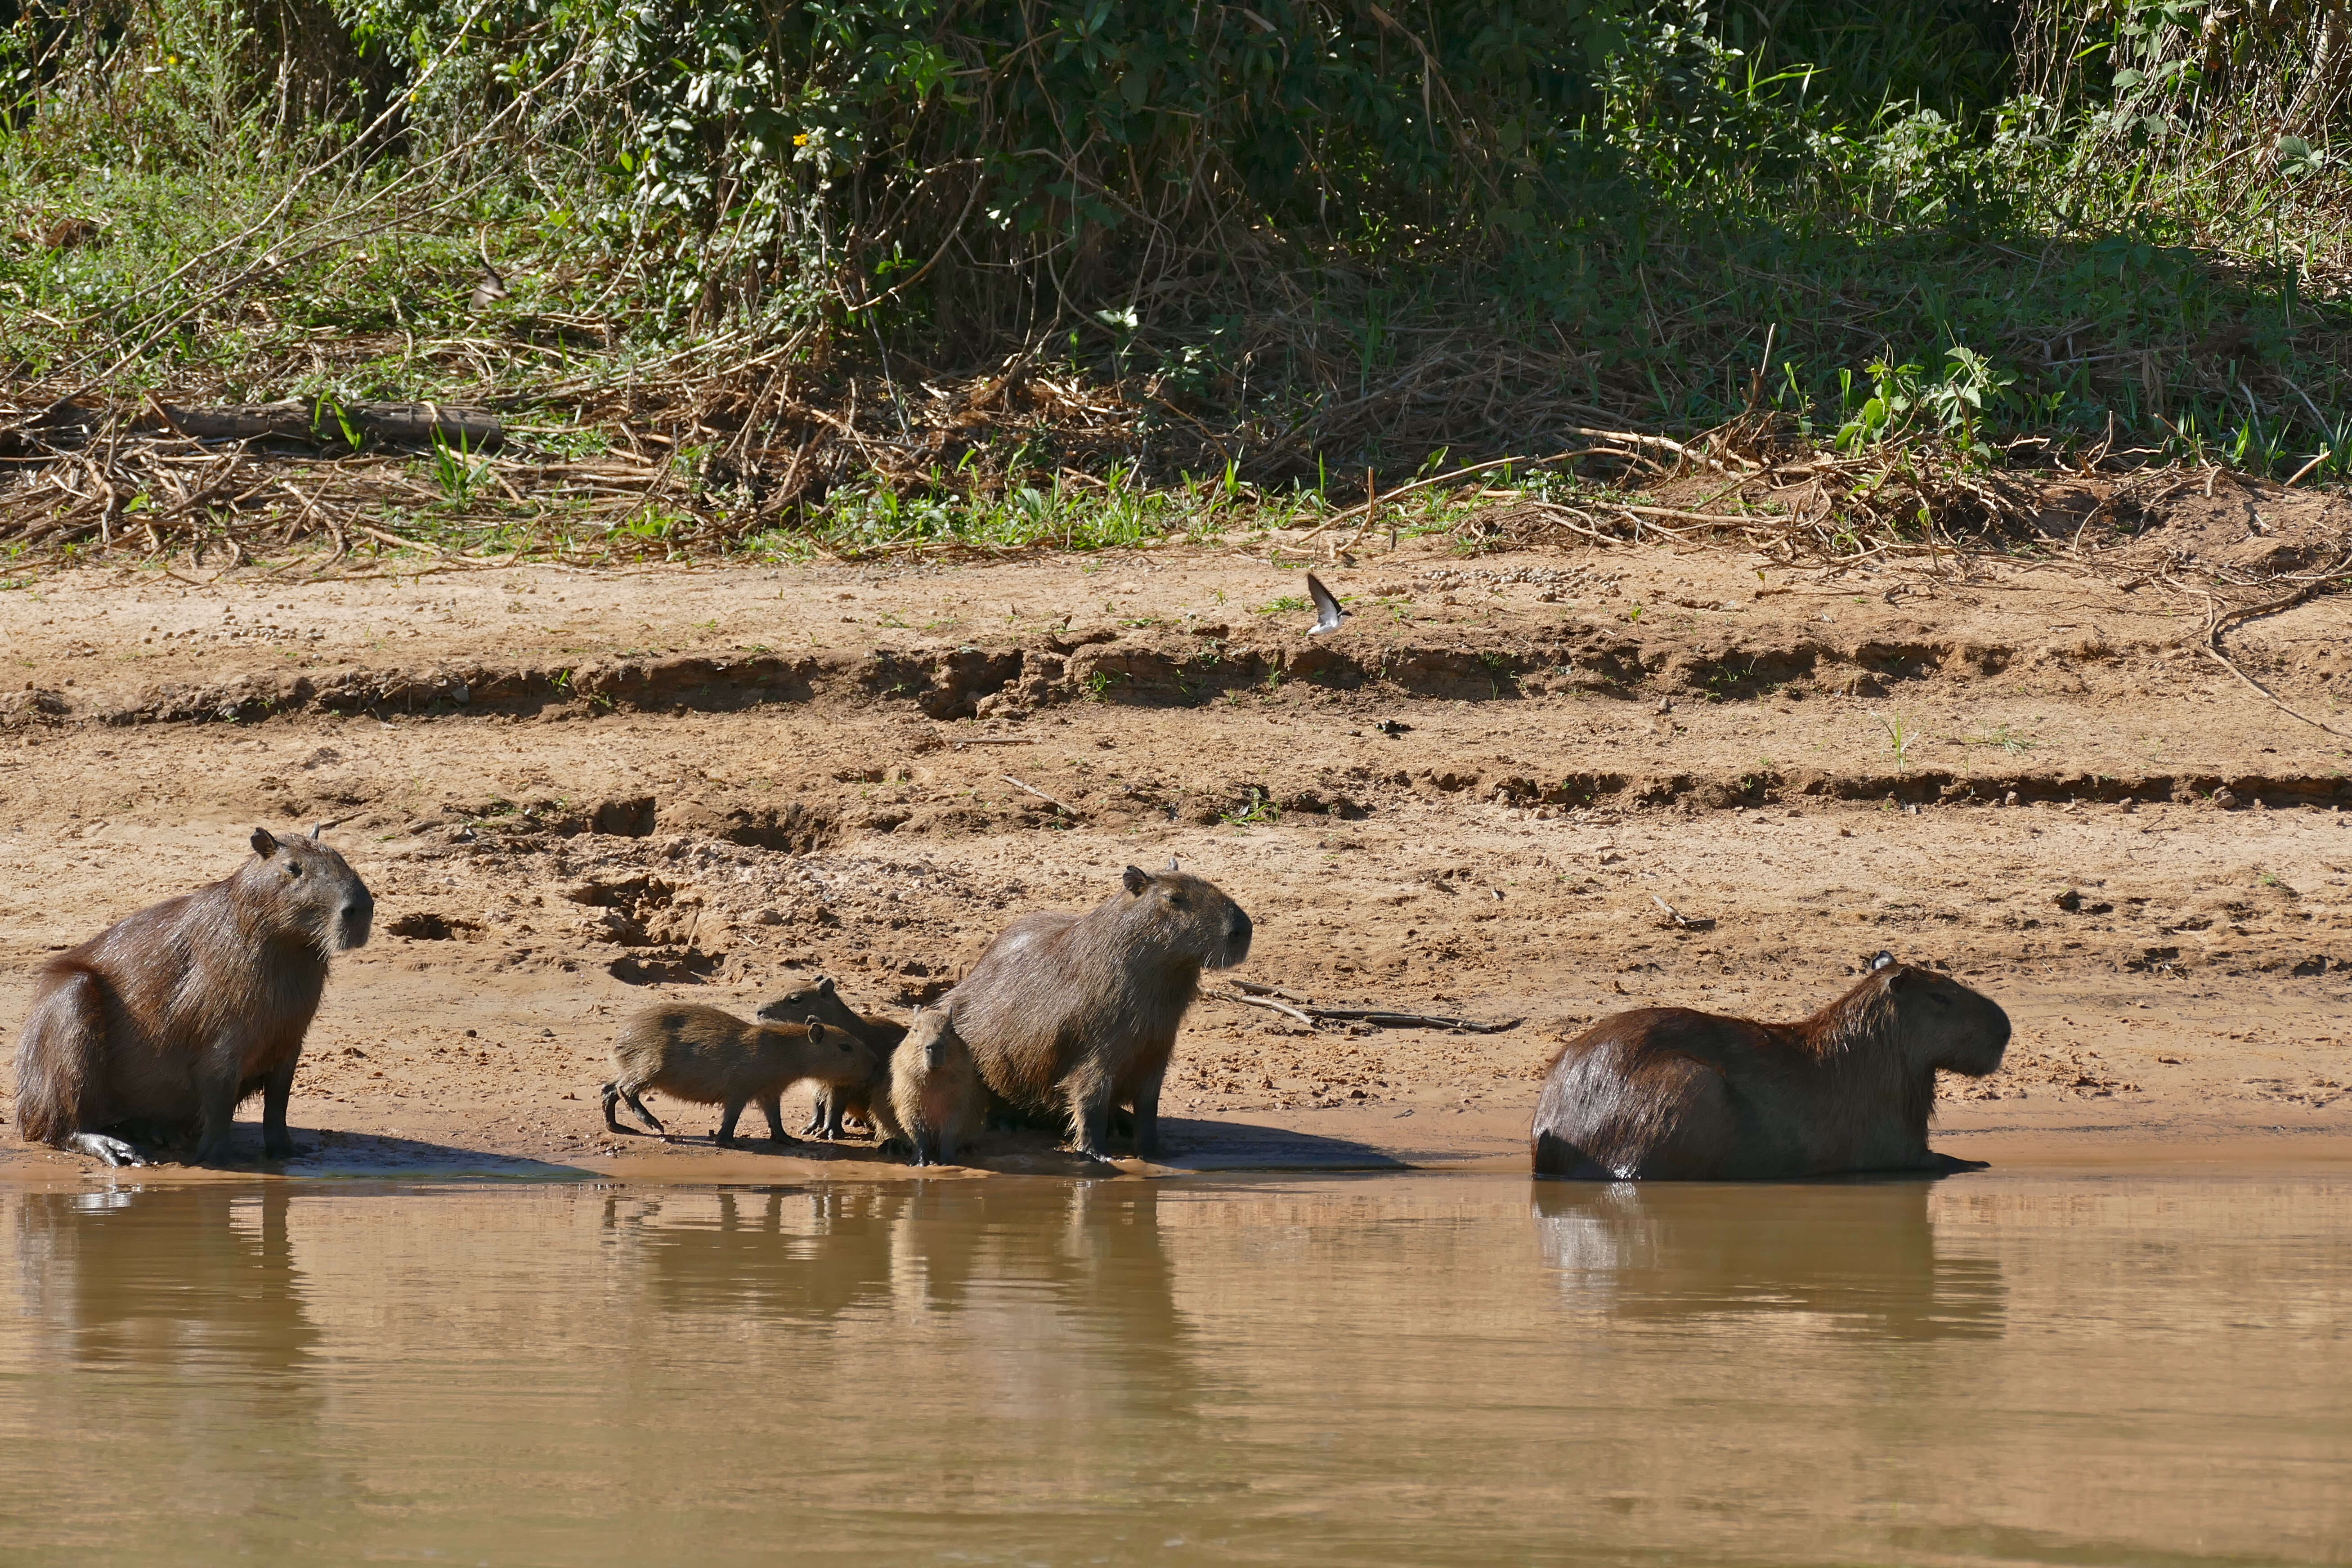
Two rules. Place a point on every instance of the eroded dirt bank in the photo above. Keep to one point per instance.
(573, 793)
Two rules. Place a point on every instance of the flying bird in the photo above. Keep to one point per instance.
(1327, 608)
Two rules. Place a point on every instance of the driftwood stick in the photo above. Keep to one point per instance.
(1040, 793)
(1268, 1003)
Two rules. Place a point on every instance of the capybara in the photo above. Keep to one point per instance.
(169, 1019)
(935, 1099)
(709, 1057)
(1075, 1012)
(818, 999)
(1665, 1093)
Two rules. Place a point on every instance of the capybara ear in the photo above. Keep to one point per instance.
(817, 1032)
(318, 833)
(1885, 960)
(825, 985)
(1136, 878)
(1171, 862)
(263, 843)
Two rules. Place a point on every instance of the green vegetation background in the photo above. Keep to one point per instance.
(1328, 234)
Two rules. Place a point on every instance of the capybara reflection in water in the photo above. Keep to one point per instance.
(1667, 1093)
(935, 1100)
(818, 999)
(705, 1056)
(1073, 1013)
(166, 1021)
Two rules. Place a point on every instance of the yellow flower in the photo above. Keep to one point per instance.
(801, 139)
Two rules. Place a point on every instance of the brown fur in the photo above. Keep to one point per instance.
(818, 999)
(935, 1100)
(166, 1021)
(1075, 1012)
(1667, 1093)
(705, 1056)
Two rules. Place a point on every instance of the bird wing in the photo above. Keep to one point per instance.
(1327, 608)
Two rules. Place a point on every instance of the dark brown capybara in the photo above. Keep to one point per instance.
(705, 1056)
(818, 999)
(1074, 1014)
(166, 1021)
(1665, 1093)
(935, 1100)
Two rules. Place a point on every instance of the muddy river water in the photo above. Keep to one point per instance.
(2088, 1369)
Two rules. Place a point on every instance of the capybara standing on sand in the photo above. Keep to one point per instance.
(1073, 1012)
(1667, 1093)
(935, 1100)
(166, 1021)
(818, 999)
(709, 1057)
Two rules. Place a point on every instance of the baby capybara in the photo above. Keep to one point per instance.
(709, 1057)
(818, 999)
(1668, 1093)
(166, 1021)
(1072, 1014)
(935, 1100)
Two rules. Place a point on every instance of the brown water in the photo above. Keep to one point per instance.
(2112, 1369)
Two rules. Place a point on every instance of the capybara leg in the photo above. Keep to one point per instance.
(1147, 1118)
(1089, 1101)
(771, 1107)
(99, 1146)
(726, 1133)
(822, 1116)
(639, 1107)
(216, 1115)
(276, 1141)
(612, 1099)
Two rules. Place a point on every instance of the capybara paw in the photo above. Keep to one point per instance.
(111, 1151)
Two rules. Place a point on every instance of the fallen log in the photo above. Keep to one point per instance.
(328, 423)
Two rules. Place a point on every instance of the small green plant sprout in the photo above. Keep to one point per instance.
(1289, 602)
(1900, 735)
(1097, 685)
(1257, 809)
(2003, 737)
(454, 472)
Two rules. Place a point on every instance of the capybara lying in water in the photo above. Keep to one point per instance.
(709, 1057)
(1667, 1093)
(935, 1100)
(166, 1021)
(1075, 1012)
(818, 999)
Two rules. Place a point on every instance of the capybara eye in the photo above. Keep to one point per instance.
(292, 869)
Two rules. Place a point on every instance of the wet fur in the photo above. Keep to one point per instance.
(818, 999)
(1075, 1014)
(705, 1056)
(168, 1020)
(935, 1100)
(1665, 1093)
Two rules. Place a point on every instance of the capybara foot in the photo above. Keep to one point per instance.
(1952, 1164)
(288, 1149)
(111, 1151)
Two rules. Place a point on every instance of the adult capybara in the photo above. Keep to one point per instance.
(935, 1100)
(1073, 1012)
(709, 1057)
(818, 999)
(167, 1020)
(1664, 1093)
